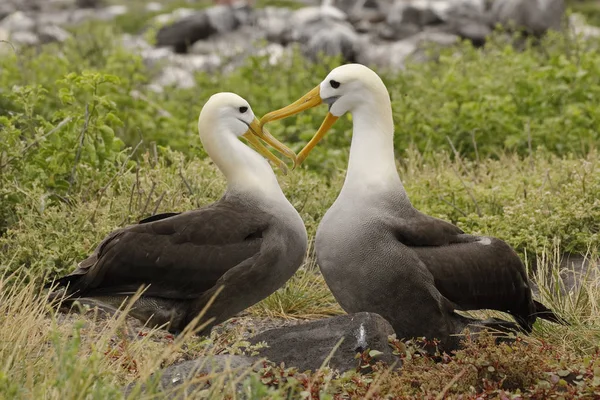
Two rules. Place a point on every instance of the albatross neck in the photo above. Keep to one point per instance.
(372, 163)
(246, 171)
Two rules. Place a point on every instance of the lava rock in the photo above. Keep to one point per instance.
(535, 17)
(185, 32)
(176, 375)
(52, 33)
(337, 39)
(306, 346)
(18, 22)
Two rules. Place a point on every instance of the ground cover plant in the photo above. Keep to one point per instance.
(498, 141)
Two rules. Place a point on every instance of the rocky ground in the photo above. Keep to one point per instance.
(374, 32)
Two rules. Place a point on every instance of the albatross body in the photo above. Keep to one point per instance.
(378, 253)
(245, 246)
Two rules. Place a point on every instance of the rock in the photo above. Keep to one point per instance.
(89, 3)
(337, 39)
(183, 33)
(175, 375)
(180, 13)
(135, 43)
(323, 29)
(275, 52)
(578, 26)
(275, 22)
(222, 19)
(363, 10)
(24, 38)
(534, 16)
(110, 12)
(306, 346)
(574, 271)
(18, 22)
(476, 32)
(153, 6)
(394, 55)
(173, 76)
(52, 33)
(6, 9)
(233, 48)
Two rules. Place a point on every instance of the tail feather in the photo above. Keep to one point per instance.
(541, 311)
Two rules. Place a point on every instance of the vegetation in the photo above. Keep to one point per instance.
(498, 141)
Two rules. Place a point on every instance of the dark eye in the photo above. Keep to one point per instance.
(334, 84)
(243, 109)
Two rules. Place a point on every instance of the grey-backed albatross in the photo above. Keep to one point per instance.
(378, 253)
(247, 244)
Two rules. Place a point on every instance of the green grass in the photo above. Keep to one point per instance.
(80, 157)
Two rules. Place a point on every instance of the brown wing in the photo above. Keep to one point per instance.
(471, 271)
(180, 256)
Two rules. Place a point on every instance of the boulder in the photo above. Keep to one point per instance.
(336, 39)
(306, 346)
(18, 22)
(52, 33)
(173, 76)
(275, 22)
(183, 33)
(533, 16)
(394, 55)
(176, 375)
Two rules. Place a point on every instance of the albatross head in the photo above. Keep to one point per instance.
(228, 114)
(346, 89)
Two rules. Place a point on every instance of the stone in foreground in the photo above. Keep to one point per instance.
(181, 374)
(306, 346)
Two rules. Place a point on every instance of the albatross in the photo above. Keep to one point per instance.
(238, 250)
(378, 253)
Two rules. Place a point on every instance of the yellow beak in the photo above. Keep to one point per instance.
(255, 132)
(309, 100)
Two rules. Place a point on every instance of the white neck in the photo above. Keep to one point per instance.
(246, 171)
(372, 165)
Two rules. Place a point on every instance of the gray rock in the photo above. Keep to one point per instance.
(18, 22)
(363, 10)
(477, 32)
(534, 16)
(394, 55)
(24, 38)
(275, 21)
(135, 43)
(6, 9)
(222, 18)
(306, 346)
(180, 13)
(183, 33)
(52, 33)
(336, 39)
(172, 76)
(579, 26)
(574, 271)
(176, 375)
(89, 3)
(153, 6)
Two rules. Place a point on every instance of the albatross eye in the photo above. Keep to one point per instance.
(243, 109)
(334, 84)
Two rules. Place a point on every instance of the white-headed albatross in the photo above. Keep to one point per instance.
(379, 254)
(250, 242)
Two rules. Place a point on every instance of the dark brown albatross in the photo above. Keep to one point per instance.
(379, 254)
(249, 243)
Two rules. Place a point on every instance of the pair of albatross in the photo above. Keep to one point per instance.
(375, 250)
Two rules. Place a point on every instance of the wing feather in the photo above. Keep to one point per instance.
(200, 245)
